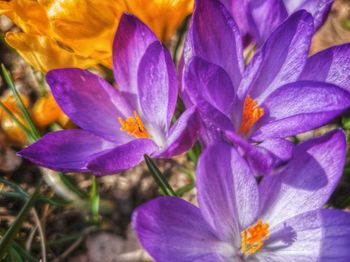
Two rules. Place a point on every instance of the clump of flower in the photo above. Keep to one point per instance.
(280, 93)
(280, 219)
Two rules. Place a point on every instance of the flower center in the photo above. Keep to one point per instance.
(134, 126)
(253, 237)
(251, 114)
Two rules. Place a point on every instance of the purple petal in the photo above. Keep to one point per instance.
(157, 86)
(183, 134)
(66, 151)
(307, 181)
(122, 157)
(299, 107)
(281, 148)
(214, 36)
(319, 235)
(317, 8)
(130, 44)
(259, 159)
(211, 83)
(213, 123)
(281, 59)
(199, 76)
(240, 12)
(227, 191)
(264, 17)
(90, 102)
(331, 65)
(171, 229)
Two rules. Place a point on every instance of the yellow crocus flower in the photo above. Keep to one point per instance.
(79, 33)
(46, 111)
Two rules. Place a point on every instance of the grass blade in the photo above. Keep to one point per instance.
(159, 178)
(27, 132)
(20, 104)
(10, 234)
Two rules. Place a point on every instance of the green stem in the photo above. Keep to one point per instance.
(159, 178)
(95, 201)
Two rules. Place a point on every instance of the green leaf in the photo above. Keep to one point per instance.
(184, 189)
(159, 177)
(14, 256)
(14, 186)
(24, 253)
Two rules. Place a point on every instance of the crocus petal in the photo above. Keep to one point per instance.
(66, 151)
(212, 106)
(171, 229)
(319, 235)
(157, 86)
(227, 191)
(90, 102)
(331, 65)
(211, 83)
(281, 59)
(264, 17)
(130, 44)
(183, 134)
(259, 159)
(281, 148)
(307, 181)
(299, 107)
(122, 157)
(213, 123)
(44, 54)
(214, 36)
(317, 8)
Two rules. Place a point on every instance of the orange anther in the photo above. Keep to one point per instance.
(134, 126)
(253, 237)
(251, 114)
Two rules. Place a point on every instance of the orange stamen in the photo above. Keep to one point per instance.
(253, 237)
(251, 114)
(134, 126)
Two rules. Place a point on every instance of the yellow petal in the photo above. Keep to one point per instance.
(45, 54)
(46, 111)
(28, 15)
(86, 26)
(10, 102)
(162, 16)
(12, 130)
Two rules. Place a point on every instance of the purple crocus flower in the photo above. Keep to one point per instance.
(118, 126)
(277, 95)
(256, 19)
(281, 219)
